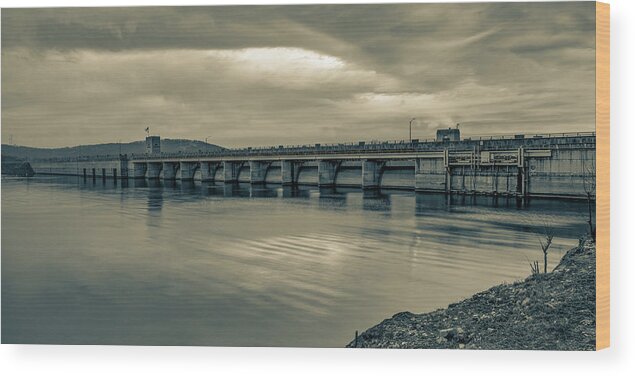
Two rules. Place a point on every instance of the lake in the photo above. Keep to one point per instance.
(177, 263)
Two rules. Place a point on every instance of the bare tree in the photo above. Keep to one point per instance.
(546, 243)
(588, 182)
(544, 229)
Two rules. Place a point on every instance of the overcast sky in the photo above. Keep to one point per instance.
(255, 75)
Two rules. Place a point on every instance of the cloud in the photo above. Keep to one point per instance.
(271, 75)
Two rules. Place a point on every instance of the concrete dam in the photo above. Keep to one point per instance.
(549, 165)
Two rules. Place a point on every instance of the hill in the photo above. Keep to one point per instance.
(137, 147)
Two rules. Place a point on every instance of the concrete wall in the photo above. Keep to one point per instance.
(563, 174)
(109, 168)
(274, 174)
(308, 174)
(349, 174)
(430, 175)
(220, 174)
(399, 176)
(243, 177)
(487, 179)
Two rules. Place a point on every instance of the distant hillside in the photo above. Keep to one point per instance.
(137, 147)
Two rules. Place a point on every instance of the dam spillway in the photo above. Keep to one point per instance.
(551, 165)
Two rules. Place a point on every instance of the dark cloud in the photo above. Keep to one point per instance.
(295, 74)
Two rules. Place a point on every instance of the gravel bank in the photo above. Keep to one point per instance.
(553, 311)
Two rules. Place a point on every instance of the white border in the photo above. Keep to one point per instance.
(619, 359)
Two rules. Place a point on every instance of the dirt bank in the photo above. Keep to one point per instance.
(554, 311)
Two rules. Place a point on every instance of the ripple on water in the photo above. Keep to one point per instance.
(157, 263)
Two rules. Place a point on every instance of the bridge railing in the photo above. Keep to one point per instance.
(535, 140)
(544, 140)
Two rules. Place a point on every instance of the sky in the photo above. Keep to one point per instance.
(269, 75)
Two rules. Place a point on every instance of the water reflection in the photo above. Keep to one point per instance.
(212, 189)
(426, 202)
(375, 200)
(236, 190)
(261, 190)
(332, 198)
(430, 202)
(188, 187)
(143, 183)
(212, 264)
(155, 198)
(295, 192)
(169, 184)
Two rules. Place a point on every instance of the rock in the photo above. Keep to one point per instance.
(453, 334)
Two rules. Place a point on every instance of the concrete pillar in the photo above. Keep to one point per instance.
(187, 170)
(522, 178)
(140, 169)
(419, 175)
(123, 166)
(169, 170)
(258, 171)
(371, 174)
(431, 174)
(154, 170)
(289, 170)
(448, 171)
(208, 170)
(231, 170)
(327, 173)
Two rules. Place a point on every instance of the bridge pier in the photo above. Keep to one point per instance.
(431, 174)
(140, 169)
(154, 170)
(327, 172)
(290, 171)
(208, 170)
(371, 174)
(231, 170)
(187, 170)
(170, 169)
(123, 166)
(258, 171)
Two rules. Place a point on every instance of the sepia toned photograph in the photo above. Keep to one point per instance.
(363, 176)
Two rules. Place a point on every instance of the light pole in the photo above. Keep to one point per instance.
(410, 129)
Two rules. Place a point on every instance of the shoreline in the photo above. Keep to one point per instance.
(553, 311)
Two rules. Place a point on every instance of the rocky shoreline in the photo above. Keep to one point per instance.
(553, 311)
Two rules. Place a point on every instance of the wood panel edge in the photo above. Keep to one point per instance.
(603, 176)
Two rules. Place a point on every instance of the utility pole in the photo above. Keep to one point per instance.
(410, 129)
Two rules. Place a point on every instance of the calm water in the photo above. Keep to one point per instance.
(171, 263)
